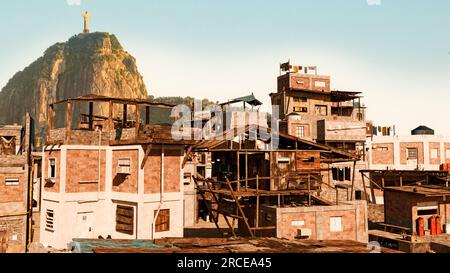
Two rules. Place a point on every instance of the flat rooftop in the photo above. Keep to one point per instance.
(425, 190)
(222, 245)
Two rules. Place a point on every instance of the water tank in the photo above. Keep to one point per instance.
(422, 130)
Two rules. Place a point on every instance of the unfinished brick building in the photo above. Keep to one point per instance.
(404, 205)
(119, 175)
(277, 191)
(310, 109)
(422, 150)
(14, 187)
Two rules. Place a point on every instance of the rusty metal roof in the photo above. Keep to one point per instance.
(100, 98)
(213, 143)
(425, 190)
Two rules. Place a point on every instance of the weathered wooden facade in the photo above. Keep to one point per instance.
(249, 173)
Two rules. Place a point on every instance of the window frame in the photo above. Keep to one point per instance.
(408, 153)
(12, 181)
(302, 130)
(119, 166)
(50, 220)
(434, 153)
(333, 224)
(120, 224)
(318, 108)
(165, 225)
(49, 169)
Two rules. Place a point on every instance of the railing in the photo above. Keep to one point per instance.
(309, 184)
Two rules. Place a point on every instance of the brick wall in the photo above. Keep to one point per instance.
(401, 208)
(397, 208)
(11, 193)
(432, 146)
(317, 219)
(82, 171)
(446, 147)
(293, 128)
(51, 187)
(403, 149)
(172, 165)
(125, 183)
(382, 156)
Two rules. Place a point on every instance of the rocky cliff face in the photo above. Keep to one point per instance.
(92, 63)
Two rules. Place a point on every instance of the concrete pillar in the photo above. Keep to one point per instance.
(397, 163)
(426, 154)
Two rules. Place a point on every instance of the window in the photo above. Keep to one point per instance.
(382, 149)
(203, 159)
(298, 223)
(412, 153)
(284, 160)
(49, 220)
(163, 221)
(301, 109)
(12, 181)
(447, 153)
(125, 219)
(336, 224)
(300, 99)
(320, 84)
(341, 174)
(434, 153)
(321, 110)
(426, 211)
(308, 159)
(300, 131)
(360, 116)
(358, 195)
(52, 168)
(124, 166)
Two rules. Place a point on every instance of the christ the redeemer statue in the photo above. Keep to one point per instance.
(86, 17)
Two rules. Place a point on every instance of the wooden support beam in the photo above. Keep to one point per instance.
(147, 115)
(353, 180)
(246, 170)
(238, 163)
(186, 157)
(91, 115)
(110, 116)
(125, 115)
(224, 216)
(138, 120)
(241, 211)
(147, 153)
(257, 205)
(364, 185)
(309, 190)
(68, 119)
(208, 207)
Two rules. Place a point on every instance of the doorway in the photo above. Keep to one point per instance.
(85, 222)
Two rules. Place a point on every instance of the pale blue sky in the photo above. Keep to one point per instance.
(396, 52)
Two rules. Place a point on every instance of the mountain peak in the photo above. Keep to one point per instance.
(88, 63)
